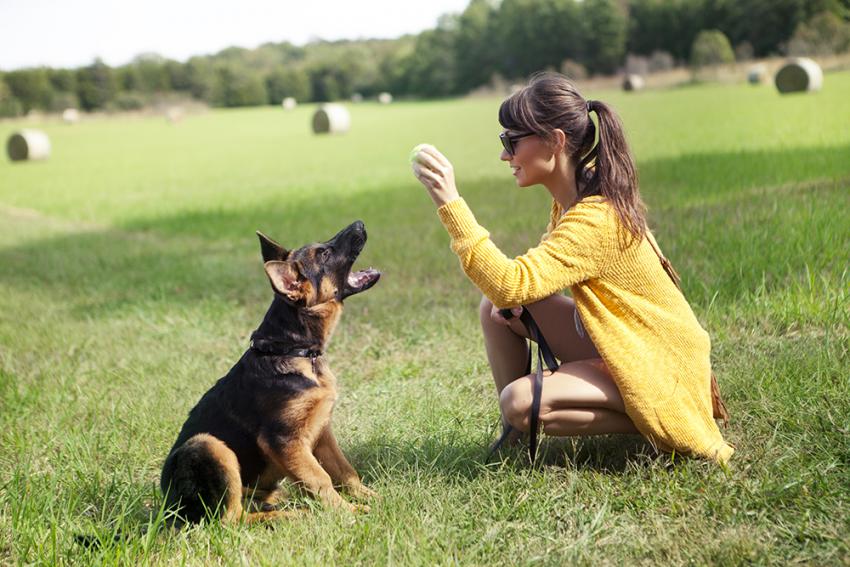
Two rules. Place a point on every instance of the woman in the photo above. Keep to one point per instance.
(633, 355)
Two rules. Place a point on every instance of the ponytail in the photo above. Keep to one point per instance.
(608, 170)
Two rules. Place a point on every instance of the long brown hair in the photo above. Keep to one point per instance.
(604, 167)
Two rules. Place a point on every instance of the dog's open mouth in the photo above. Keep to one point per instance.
(361, 281)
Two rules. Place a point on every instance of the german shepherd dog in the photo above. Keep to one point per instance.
(270, 416)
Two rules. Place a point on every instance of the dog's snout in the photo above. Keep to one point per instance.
(358, 226)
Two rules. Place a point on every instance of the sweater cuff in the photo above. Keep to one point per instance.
(458, 219)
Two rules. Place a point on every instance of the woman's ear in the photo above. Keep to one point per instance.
(560, 140)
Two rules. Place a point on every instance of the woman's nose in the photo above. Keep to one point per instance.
(505, 156)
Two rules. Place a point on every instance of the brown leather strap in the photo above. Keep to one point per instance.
(718, 408)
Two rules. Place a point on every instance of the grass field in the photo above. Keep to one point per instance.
(130, 280)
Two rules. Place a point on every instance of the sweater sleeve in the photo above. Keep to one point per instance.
(574, 251)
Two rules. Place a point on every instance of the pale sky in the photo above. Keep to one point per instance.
(71, 33)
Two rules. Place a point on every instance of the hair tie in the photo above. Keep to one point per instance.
(589, 105)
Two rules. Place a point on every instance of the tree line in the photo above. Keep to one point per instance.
(490, 40)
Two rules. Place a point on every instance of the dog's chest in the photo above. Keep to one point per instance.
(315, 370)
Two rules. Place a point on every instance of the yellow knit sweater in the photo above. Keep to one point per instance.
(653, 345)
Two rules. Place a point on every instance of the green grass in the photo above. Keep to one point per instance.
(130, 279)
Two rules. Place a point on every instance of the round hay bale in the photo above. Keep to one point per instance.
(174, 114)
(799, 75)
(633, 82)
(385, 98)
(288, 103)
(757, 74)
(331, 119)
(70, 116)
(28, 145)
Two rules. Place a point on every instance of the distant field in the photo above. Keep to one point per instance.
(130, 280)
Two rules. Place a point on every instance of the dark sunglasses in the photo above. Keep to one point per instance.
(509, 141)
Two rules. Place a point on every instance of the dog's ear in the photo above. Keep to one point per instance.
(271, 249)
(285, 279)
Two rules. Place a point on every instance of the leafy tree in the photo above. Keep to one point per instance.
(395, 70)
(536, 34)
(285, 82)
(711, 47)
(430, 67)
(177, 75)
(665, 25)
(236, 86)
(10, 107)
(62, 80)
(475, 45)
(324, 83)
(31, 87)
(605, 35)
(147, 73)
(62, 100)
(96, 85)
(824, 34)
(201, 78)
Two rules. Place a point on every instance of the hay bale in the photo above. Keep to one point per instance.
(174, 114)
(385, 98)
(28, 145)
(633, 82)
(356, 97)
(799, 75)
(70, 116)
(288, 103)
(331, 119)
(757, 74)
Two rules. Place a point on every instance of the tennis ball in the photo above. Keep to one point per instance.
(415, 151)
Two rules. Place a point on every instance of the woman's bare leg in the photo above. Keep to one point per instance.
(580, 398)
(505, 342)
(507, 351)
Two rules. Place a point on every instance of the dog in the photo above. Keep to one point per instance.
(269, 418)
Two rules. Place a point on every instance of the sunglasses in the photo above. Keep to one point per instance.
(509, 141)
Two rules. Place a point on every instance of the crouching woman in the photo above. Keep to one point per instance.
(633, 357)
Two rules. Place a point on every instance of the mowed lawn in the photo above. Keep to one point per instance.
(130, 281)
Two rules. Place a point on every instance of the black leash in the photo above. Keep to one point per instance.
(544, 354)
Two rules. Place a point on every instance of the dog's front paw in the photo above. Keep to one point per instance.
(361, 491)
(360, 508)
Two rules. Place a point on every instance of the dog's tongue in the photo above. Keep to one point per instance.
(359, 279)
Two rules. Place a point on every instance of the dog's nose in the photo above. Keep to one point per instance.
(358, 228)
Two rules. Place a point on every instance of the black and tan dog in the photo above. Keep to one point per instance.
(270, 416)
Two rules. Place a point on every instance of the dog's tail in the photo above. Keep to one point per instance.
(90, 541)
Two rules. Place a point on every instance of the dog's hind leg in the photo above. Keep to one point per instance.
(200, 478)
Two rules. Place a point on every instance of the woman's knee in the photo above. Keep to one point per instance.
(515, 403)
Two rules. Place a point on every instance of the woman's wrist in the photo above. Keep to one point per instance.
(443, 200)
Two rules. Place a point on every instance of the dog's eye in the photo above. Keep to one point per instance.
(325, 254)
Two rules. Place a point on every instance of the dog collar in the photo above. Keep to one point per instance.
(278, 347)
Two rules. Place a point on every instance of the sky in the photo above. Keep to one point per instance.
(72, 33)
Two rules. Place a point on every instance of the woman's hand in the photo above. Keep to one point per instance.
(436, 173)
(497, 317)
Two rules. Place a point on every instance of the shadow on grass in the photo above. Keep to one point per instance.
(611, 454)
